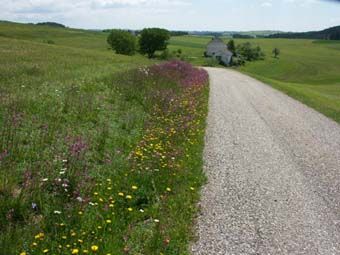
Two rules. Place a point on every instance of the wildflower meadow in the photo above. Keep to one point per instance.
(111, 168)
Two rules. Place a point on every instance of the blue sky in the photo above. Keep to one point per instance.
(216, 15)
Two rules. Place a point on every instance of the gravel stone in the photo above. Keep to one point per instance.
(273, 168)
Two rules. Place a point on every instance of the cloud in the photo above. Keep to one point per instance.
(267, 4)
(51, 6)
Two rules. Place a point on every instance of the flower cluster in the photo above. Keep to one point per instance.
(158, 170)
(183, 72)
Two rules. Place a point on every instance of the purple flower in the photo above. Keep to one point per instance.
(77, 147)
(3, 155)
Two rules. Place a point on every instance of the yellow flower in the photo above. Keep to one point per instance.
(121, 194)
(134, 187)
(80, 241)
(168, 189)
(80, 213)
(108, 221)
(94, 248)
(85, 251)
(64, 237)
(23, 253)
(95, 193)
(192, 188)
(111, 205)
(75, 251)
(39, 236)
(129, 197)
(130, 209)
(45, 251)
(34, 244)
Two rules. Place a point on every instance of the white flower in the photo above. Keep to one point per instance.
(141, 210)
(57, 212)
(79, 199)
(62, 172)
(45, 179)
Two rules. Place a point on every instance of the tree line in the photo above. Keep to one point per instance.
(147, 42)
(332, 33)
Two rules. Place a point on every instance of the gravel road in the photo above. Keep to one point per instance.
(273, 168)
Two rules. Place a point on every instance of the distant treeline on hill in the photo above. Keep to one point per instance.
(137, 32)
(178, 33)
(51, 24)
(332, 33)
(243, 36)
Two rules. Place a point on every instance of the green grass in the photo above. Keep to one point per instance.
(306, 70)
(74, 120)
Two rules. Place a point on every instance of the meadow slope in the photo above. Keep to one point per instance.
(99, 153)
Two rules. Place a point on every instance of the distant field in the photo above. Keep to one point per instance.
(306, 70)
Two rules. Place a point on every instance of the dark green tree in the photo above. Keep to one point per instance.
(153, 39)
(276, 52)
(122, 42)
(231, 46)
(249, 52)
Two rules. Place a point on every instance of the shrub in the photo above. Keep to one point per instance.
(211, 62)
(231, 46)
(122, 42)
(249, 52)
(153, 39)
(276, 52)
(166, 55)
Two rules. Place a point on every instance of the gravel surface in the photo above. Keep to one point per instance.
(273, 168)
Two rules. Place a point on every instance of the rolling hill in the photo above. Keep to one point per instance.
(332, 33)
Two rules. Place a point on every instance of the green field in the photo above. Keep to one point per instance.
(97, 155)
(306, 70)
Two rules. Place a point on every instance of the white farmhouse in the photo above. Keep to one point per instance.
(217, 49)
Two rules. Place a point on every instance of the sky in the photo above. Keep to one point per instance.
(212, 15)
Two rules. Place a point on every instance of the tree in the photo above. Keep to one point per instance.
(153, 39)
(276, 52)
(248, 52)
(122, 42)
(231, 46)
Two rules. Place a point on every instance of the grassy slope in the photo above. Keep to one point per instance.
(64, 107)
(307, 70)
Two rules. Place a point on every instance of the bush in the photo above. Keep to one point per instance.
(238, 61)
(122, 42)
(276, 52)
(166, 55)
(249, 52)
(211, 62)
(231, 46)
(153, 39)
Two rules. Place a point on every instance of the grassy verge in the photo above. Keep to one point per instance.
(107, 165)
(323, 98)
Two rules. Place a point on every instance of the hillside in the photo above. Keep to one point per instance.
(99, 153)
(332, 33)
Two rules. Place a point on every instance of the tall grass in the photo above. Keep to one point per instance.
(111, 166)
